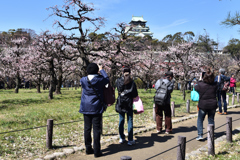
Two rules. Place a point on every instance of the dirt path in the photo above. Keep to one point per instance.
(152, 146)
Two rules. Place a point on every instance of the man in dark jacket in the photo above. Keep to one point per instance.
(220, 79)
(92, 107)
(166, 108)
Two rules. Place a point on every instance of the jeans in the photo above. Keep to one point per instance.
(130, 125)
(232, 90)
(94, 120)
(223, 95)
(201, 116)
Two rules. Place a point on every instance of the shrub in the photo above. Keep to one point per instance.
(139, 83)
(238, 84)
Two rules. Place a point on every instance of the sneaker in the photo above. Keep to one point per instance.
(199, 138)
(168, 132)
(159, 131)
(225, 113)
(130, 143)
(121, 141)
(219, 113)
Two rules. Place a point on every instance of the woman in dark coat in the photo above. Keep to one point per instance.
(207, 101)
(91, 106)
(127, 91)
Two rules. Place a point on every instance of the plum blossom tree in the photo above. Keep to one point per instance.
(185, 63)
(76, 13)
(12, 60)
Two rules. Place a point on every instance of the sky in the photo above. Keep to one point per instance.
(163, 16)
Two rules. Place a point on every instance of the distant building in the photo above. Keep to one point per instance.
(138, 27)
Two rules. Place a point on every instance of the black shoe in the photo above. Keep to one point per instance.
(98, 154)
(89, 151)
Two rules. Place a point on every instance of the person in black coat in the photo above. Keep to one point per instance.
(207, 104)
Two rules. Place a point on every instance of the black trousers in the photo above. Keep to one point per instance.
(94, 120)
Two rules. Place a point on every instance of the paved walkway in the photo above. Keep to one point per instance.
(152, 146)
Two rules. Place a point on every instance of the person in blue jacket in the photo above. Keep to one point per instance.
(220, 93)
(91, 106)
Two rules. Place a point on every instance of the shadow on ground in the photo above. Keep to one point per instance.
(145, 141)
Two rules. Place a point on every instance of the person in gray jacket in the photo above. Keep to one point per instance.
(159, 109)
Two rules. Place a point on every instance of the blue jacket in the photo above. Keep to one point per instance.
(90, 103)
(225, 78)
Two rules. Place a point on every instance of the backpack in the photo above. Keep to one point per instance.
(162, 93)
(124, 100)
(223, 85)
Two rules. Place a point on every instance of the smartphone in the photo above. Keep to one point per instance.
(203, 73)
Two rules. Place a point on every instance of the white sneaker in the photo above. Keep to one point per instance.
(130, 143)
(159, 131)
(199, 138)
(121, 141)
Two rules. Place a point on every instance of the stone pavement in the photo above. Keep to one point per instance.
(152, 146)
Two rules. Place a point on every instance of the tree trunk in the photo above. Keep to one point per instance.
(184, 89)
(17, 83)
(44, 86)
(52, 87)
(84, 58)
(38, 88)
(113, 75)
(60, 77)
(50, 94)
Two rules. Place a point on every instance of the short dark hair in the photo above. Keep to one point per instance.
(126, 69)
(208, 77)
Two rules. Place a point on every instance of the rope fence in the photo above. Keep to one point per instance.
(181, 146)
(182, 140)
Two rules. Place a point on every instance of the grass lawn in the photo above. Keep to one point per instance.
(223, 151)
(29, 109)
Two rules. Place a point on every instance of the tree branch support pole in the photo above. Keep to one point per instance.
(126, 158)
(154, 113)
(181, 148)
(233, 99)
(211, 149)
(49, 133)
(188, 106)
(229, 130)
(227, 99)
(173, 108)
(237, 97)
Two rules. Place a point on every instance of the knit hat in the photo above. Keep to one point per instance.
(222, 71)
(168, 73)
(92, 68)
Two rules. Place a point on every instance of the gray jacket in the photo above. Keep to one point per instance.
(170, 88)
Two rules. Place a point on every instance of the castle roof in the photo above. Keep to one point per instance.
(137, 18)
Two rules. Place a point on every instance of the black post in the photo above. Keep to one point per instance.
(211, 149)
(229, 130)
(181, 148)
(49, 133)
